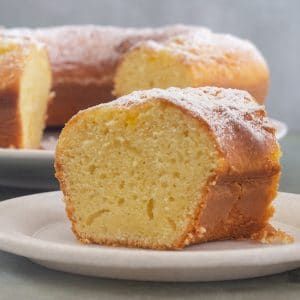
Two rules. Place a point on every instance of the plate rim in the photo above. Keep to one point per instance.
(36, 249)
(26, 153)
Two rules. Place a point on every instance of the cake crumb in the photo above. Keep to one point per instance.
(270, 235)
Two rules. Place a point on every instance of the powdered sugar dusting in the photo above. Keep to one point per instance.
(87, 54)
(205, 46)
(90, 54)
(209, 103)
(9, 39)
(11, 43)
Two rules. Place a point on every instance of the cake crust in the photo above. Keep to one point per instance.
(236, 201)
(10, 71)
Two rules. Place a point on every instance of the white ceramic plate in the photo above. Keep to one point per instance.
(34, 168)
(30, 168)
(36, 227)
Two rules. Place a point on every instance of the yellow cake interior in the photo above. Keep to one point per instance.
(144, 68)
(35, 85)
(135, 176)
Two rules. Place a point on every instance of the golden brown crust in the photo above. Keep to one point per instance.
(237, 198)
(75, 97)
(86, 58)
(235, 208)
(10, 126)
(11, 68)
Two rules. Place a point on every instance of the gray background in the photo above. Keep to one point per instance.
(273, 25)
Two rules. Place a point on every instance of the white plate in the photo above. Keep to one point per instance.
(30, 168)
(34, 168)
(36, 227)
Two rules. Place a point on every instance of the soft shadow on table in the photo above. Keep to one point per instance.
(30, 279)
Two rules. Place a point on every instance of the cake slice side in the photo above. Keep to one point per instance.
(35, 85)
(135, 177)
(24, 91)
(150, 65)
(11, 65)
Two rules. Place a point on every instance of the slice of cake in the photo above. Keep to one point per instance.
(198, 58)
(167, 168)
(25, 81)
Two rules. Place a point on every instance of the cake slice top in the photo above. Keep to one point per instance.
(228, 114)
(201, 44)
